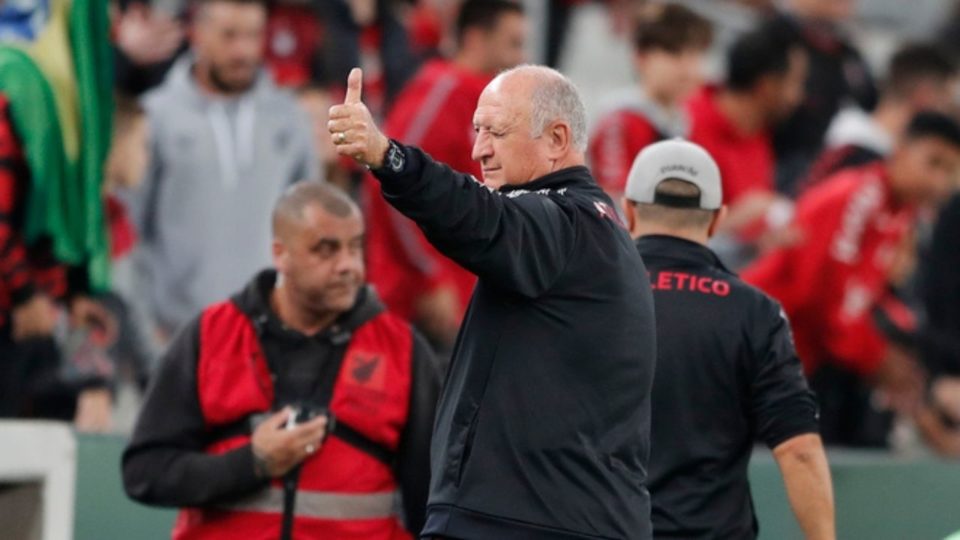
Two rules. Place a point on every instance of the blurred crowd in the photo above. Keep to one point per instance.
(177, 123)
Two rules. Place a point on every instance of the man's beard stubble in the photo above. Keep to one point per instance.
(221, 84)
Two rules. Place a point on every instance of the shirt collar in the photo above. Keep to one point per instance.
(678, 249)
(555, 180)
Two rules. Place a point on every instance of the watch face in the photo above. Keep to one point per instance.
(395, 159)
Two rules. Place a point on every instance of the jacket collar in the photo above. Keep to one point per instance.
(564, 178)
(678, 249)
(254, 301)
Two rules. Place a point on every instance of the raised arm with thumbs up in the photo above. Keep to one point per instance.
(351, 125)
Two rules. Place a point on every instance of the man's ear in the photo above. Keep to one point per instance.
(280, 256)
(718, 217)
(560, 138)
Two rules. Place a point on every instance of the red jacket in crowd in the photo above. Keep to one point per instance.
(619, 138)
(632, 124)
(434, 112)
(746, 161)
(829, 283)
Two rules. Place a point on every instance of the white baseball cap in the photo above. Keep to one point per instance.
(675, 159)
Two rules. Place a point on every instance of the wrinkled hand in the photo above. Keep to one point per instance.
(36, 318)
(147, 36)
(278, 450)
(352, 128)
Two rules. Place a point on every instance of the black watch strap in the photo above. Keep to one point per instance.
(394, 160)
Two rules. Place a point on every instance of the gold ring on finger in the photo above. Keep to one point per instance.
(341, 137)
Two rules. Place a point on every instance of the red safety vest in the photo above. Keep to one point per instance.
(344, 493)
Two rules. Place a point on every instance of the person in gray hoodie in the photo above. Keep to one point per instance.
(224, 143)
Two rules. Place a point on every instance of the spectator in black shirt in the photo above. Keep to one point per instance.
(938, 418)
(727, 372)
(838, 76)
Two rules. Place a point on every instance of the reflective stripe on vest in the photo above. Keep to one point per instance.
(321, 505)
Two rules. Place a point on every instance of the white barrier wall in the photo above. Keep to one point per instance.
(38, 469)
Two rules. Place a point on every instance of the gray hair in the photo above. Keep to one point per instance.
(554, 97)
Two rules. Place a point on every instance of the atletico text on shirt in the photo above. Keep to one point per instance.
(681, 281)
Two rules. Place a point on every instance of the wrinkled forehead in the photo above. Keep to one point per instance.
(504, 100)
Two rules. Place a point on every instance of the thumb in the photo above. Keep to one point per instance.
(354, 87)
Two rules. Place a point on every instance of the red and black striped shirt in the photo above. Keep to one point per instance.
(23, 270)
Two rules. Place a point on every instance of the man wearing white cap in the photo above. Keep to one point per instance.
(727, 371)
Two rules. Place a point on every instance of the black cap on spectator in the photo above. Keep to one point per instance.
(671, 27)
(483, 14)
(934, 124)
(757, 54)
(916, 63)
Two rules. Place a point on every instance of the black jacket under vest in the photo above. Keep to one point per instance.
(165, 463)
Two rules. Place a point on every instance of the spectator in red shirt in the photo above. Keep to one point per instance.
(435, 112)
(670, 42)
(764, 84)
(919, 77)
(831, 283)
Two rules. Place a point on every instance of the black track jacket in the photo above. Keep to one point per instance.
(542, 428)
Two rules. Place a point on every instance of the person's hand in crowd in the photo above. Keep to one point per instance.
(36, 318)
(438, 314)
(621, 14)
(147, 36)
(901, 380)
(779, 237)
(942, 437)
(945, 392)
(94, 411)
(352, 128)
(278, 449)
(129, 152)
(904, 261)
(86, 312)
(364, 12)
(760, 211)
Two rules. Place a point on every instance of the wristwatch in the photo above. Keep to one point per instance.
(394, 160)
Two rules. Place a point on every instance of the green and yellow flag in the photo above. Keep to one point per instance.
(55, 68)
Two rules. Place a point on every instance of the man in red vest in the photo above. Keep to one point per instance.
(435, 112)
(226, 431)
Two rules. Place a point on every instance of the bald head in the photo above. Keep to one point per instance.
(289, 209)
(549, 96)
(529, 122)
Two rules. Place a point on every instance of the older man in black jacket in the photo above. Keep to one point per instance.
(542, 430)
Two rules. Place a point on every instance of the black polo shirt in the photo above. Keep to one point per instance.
(727, 374)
